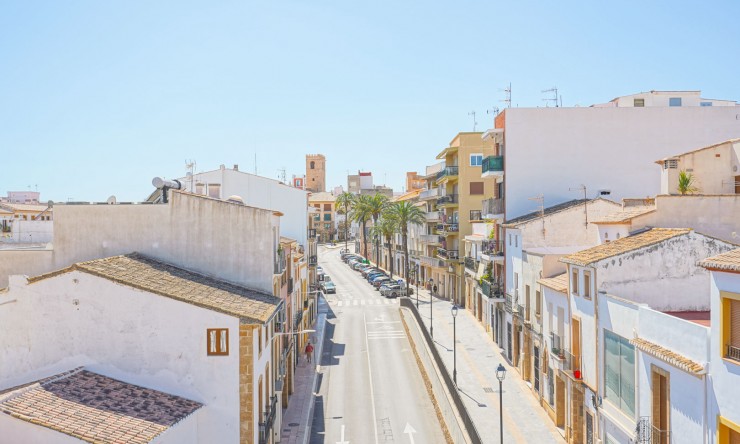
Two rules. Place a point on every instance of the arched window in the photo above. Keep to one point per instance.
(313, 164)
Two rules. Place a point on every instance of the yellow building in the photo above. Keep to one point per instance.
(461, 190)
(324, 215)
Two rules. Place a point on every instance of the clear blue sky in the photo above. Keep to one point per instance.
(98, 97)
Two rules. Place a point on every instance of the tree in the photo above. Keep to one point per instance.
(361, 213)
(405, 213)
(376, 205)
(385, 229)
(345, 202)
(686, 183)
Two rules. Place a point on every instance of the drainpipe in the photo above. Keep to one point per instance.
(596, 348)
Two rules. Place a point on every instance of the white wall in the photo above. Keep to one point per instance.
(30, 231)
(231, 241)
(123, 333)
(714, 170)
(18, 431)
(550, 150)
(261, 192)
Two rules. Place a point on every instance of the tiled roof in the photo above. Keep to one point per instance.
(24, 207)
(95, 408)
(321, 197)
(668, 356)
(729, 261)
(408, 195)
(624, 215)
(661, 161)
(557, 283)
(147, 274)
(536, 215)
(623, 245)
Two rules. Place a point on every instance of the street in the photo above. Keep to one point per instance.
(370, 388)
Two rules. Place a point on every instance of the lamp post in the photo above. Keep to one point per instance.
(431, 313)
(500, 375)
(416, 279)
(454, 344)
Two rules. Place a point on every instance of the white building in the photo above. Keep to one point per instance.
(152, 324)
(664, 99)
(715, 169)
(723, 402)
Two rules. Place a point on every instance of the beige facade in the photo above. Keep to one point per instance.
(715, 168)
(315, 173)
(323, 216)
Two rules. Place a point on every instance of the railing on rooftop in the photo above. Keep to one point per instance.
(493, 164)
(493, 206)
(447, 171)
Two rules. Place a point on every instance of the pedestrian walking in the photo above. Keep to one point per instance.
(309, 351)
(434, 290)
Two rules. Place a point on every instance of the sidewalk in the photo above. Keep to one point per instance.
(525, 421)
(296, 424)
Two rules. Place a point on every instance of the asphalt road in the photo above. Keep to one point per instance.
(370, 388)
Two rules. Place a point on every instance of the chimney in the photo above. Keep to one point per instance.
(236, 167)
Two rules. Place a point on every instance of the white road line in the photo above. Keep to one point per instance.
(385, 322)
(389, 337)
(370, 374)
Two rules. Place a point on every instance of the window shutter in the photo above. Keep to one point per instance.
(735, 323)
(476, 188)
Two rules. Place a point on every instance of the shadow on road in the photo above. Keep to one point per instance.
(480, 404)
(331, 350)
(318, 425)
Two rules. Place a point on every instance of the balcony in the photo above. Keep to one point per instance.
(447, 200)
(557, 346)
(431, 261)
(493, 208)
(494, 249)
(572, 363)
(448, 229)
(312, 261)
(471, 264)
(279, 262)
(433, 216)
(476, 215)
(265, 427)
(434, 239)
(429, 194)
(491, 289)
(447, 174)
(290, 286)
(448, 254)
(493, 166)
(508, 305)
(733, 353)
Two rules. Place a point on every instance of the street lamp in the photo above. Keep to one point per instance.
(416, 279)
(454, 344)
(500, 375)
(431, 313)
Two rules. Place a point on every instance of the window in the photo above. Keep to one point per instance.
(516, 241)
(705, 103)
(639, 103)
(587, 284)
(550, 387)
(214, 190)
(476, 159)
(313, 164)
(218, 341)
(476, 188)
(619, 362)
(730, 325)
(674, 101)
(538, 303)
(327, 207)
(526, 303)
(574, 282)
(327, 217)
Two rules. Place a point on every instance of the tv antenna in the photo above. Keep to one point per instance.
(540, 199)
(475, 123)
(507, 91)
(281, 174)
(585, 200)
(554, 98)
(190, 171)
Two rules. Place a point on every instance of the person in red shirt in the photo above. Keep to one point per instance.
(309, 351)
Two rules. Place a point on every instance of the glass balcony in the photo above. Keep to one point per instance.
(447, 199)
(493, 166)
(448, 172)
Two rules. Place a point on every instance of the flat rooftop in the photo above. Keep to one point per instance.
(697, 317)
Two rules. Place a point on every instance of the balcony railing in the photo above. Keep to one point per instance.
(557, 346)
(447, 199)
(311, 232)
(265, 427)
(428, 194)
(312, 261)
(492, 247)
(448, 228)
(476, 215)
(280, 262)
(493, 164)
(448, 254)
(447, 171)
(431, 261)
(493, 206)
(733, 353)
(491, 289)
(433, 216)
(290, 286)
(573, 363)
(508, 305)
(471, 264)
(431, 238)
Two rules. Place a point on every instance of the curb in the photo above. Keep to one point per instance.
(320, 320)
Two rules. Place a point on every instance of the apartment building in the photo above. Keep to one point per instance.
(324, 216)
(461, 190)
(431, 268)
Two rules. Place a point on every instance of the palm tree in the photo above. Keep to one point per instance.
(377, 204)
(406, 213)
(361, 213)
(385, 229)
(345, 201)
(686, 183)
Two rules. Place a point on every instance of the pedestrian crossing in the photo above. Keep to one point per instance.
(361, 302)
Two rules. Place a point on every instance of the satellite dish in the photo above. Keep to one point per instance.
(50, 203)
(111, 200)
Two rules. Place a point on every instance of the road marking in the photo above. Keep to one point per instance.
(370, 374)
(380, 318)
(410, 430)
(342, 441)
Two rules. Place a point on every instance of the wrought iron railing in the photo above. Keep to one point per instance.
(448, 254)
(471, 264)
(312, 260)
(493, 164)
(557, 348)
(647, 433)
(491, 289)
(447, 171)
(733, 353)
(493, 206)
(265, 427)
(447, 199)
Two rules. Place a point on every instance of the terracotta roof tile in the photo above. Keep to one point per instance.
(557, 283)
(623, 245)
(624, 215)
(729, 261)
(668, 356)
(97, 409)
(147, 274)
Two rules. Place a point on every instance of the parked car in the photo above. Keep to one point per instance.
(366, 272)
(329, 287)
(373, 275)
(391, 290)
(360, 266)
(377, 282)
